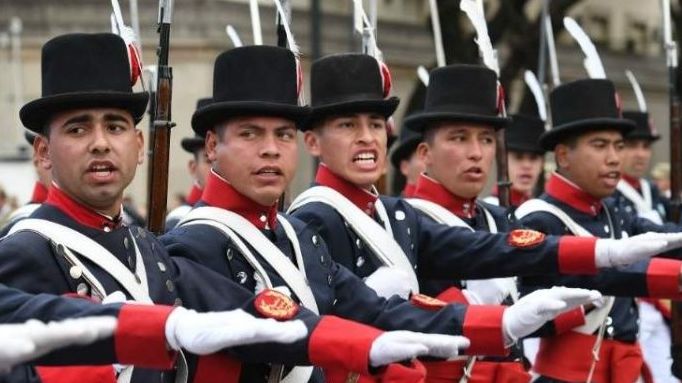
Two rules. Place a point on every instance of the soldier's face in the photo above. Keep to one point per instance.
(412, 167)
(459, 156)
(257, 155)
(199, 166)
(593, 163)
(636, 157)
(352, 146)
(93, 155)
(524, 170)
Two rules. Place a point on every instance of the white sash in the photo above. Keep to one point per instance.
(229, 223)
(22, 212)
(644, 204)
(444, 216)
(595, 318)
(379, 239)
(178, 212)
(97, 254)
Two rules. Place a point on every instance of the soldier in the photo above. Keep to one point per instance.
(198, 167)
(236, 231)
(587, 139)
(525, 158)
(458, 151)
(75, 242)
(639, 196)
(405, 160)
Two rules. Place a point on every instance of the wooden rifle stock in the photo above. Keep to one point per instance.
(503, 183)
(158, 176)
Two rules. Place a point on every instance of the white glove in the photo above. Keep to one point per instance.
(396, 346)
(624, 252)
(206, 333)
(533, 310)
(389, 281)
(27, 341)
(489, 291)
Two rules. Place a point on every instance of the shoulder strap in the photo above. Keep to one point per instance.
(538, 205)
(229, 223)
(380, 242)
(492, 225)
(640, 202)
(438, 213)
(22, 212)
(92, 251)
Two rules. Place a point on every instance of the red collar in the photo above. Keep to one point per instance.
(409, 190)
(39, 193)
(219, 193)
(363, 199)
(560, 188)
(634, 182)
(517, 197)
(194, 194)
(432, 190)
(79, 213)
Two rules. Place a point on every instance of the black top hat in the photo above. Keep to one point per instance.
(409, 140)
(581, 106)
(192, 144)
(83, 71)
(253, 80)
(644, 127)
(467, 93)
(523, 134)
(348, 83)
(29, 136)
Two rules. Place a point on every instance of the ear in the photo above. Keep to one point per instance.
(561, 152)
(41, 151)
(424, 154)
(404, 167)
(192, 166)
(211, 145)
(140, 146)
(311, 139)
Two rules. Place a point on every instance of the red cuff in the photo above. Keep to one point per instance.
(453, 295)
(83, 374)
(483, 327)
(569, 320)
(663, 278)
(340, 343)
(142, 327)
(217, 368)
(576, 255)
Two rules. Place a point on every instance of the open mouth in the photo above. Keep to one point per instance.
(101, 169)
(269, 171)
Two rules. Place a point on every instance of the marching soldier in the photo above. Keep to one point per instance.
(406, 161)
(198, 167)
(641, 197)
(236, 231)
(587, 139)
(75, 242)
(459, 150)
(525, 158)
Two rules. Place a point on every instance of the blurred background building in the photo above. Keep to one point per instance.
(627, 33)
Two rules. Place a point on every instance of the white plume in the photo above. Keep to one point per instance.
(641, 101)
(534, 86)
(234, 36)
(423, 75)
(592, 63)
(255, 22)
(473, 12)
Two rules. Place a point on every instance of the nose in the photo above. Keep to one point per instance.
(100, 141)
(269, 147)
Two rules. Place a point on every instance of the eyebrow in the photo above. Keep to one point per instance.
(112, 117)
(78, 119)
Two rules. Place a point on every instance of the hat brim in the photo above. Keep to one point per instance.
(403, 151)
(552, 137)
(191, 145)
(207, 117)
(648, 137)
(36, 114)
(527, 148)
(419, 122)
(385, 108)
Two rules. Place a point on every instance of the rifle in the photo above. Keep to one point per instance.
(158, 177)
(474, 11)
(675, 166)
